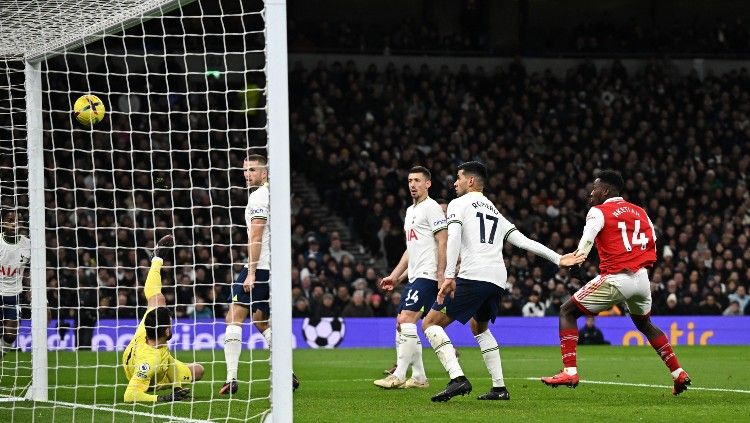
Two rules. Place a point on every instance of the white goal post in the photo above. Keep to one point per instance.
(36, 31)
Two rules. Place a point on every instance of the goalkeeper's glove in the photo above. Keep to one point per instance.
(178, 394)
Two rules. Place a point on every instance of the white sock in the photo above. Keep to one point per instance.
(267, 335)
(491, 356)
(444, 350)
(398, 341)
(4, 345)
(232, 350)
(571, 370)
(406, 349)
(417, 366)
(677, 373)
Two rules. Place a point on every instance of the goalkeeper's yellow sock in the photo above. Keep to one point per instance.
(153, 280)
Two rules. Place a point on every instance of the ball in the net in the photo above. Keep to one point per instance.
(89, 109)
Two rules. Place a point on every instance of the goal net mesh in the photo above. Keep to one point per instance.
(183, 84)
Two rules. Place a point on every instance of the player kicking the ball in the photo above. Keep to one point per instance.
(476, 233)
(424, 261)
(626, 242)
(146, 361)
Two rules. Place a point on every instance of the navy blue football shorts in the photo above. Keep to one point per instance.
(477, 299)
(419, 295)
(257, 298)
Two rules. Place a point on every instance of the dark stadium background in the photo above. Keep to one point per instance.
(543, 92)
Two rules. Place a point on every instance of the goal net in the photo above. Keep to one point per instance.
(190, 89)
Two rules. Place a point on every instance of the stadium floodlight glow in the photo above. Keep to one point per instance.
(166, 159)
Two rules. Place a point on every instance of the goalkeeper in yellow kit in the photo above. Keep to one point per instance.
(147, 363)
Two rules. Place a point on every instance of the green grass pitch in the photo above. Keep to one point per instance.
(337, 387)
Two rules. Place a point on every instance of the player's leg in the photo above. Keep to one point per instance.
(488, 345)
(597, 295)
(639, 303)
(392, 369)
(406, 346)
(236, 315)
(9, 315)
(461, 307)
(152, 288)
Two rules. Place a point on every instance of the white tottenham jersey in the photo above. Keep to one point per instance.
(483, 230)
(257, 208)
(423, 220)
(14, 257)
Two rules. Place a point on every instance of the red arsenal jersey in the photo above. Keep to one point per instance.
(626, 240)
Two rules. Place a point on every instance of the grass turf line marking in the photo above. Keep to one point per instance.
(594, 382)
(647, 385)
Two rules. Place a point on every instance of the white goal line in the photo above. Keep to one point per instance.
(113, 409)
(593, 382)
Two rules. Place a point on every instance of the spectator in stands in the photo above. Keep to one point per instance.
(394, 303)
(342, 297)
(533, 308)
(709, 306)
(672, 307)
(313, 251)
(301, 308)
(336, 251)
(200, 309)
(733, 309)
(740, 295)
(589, 334)
(379, 309)
(327, 307)
(509, 308)
(357, 306)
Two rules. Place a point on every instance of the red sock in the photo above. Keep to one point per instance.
(662, 347)
(568, 344)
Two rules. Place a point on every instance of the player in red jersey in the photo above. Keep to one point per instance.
(625, 239)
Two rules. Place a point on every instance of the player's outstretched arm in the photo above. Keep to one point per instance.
(520, 240)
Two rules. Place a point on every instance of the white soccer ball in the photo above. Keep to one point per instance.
(328, 332)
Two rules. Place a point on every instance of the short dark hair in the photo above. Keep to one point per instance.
(613, 179)
(476, 169)
(423, 170)
(156, 322)
(257, 158)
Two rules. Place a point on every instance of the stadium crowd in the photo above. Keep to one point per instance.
(600, 36)
(682, 144)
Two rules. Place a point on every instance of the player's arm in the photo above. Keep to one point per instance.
(442, 250)
(452, 251)
(398, 274)
(594, 224)
(139, 382)
(439, 226)
(515, 237)
(258, 219)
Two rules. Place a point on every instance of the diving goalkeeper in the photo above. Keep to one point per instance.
(147, 362)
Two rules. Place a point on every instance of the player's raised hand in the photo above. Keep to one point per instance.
(446, 288)
(387, 283)
(571, 259)
(249, 281)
